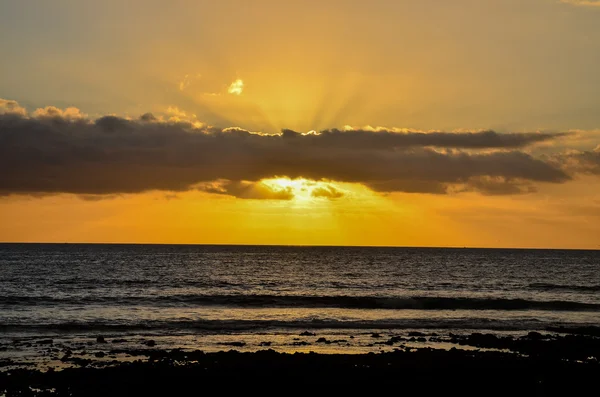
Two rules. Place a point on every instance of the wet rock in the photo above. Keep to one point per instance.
(306, 333)
(535, 336)
(66, 356)
(99, 354)
(421, 339)
(323, 340)
(301, 343)
(83, 362)
(100, 339)
(585, 330)
(375, 335)
(394, 339)
(150, 343)
(236, 344)
(483, 340)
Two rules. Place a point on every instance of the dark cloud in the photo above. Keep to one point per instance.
(112, 155)
(387, 139)
(149, 117)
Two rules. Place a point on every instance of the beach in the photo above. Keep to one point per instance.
(534, 364)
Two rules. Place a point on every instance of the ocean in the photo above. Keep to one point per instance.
(285, 298)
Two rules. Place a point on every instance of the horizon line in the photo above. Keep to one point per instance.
(300, 245)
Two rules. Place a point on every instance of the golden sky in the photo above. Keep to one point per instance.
(395, 123)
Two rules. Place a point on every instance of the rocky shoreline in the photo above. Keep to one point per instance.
(534, 364)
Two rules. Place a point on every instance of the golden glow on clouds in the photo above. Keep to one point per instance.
(360, 217)
(303, 190)
(236, 88)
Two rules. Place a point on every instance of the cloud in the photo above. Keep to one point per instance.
(188, 80)
(11, 107)
(51, 112)
(247, 190)
(236, 88)
(579, 161)
(327, 191)
(586, 3)
(390, 139)
(497, 186)
(53, 151)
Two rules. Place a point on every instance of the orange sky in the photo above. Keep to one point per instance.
(139, 123)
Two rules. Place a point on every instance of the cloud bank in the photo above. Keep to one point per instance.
(586, 3)
(62, 151)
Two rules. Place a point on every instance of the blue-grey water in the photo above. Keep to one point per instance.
(198, 296)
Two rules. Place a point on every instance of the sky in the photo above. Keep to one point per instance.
(390, 123)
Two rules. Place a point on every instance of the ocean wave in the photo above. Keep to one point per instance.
(223, 326)
(285, 301)
(564, 287)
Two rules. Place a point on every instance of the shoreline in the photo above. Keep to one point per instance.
(534, 364)
(425, 370)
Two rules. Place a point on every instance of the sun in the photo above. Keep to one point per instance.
(300, 188)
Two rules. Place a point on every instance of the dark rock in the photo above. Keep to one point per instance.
(585, 330)
(416, 333)
(99, 354)
(483, 340)
(535, 335)
(100, 339)
(375, 335)
(421, 339)
(394, 339)
(236, 344)
(45, 342)
(306, 333)
(322, 340)
(119, 340)
(301, 343)
(265, 343)
(150, 343)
